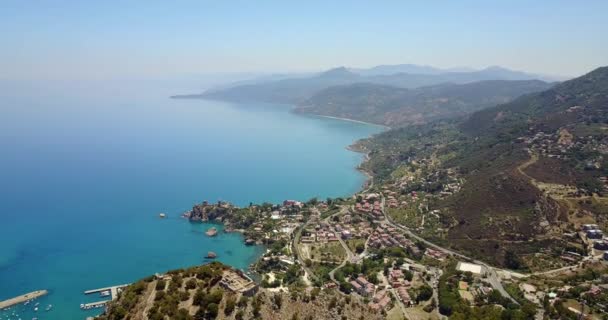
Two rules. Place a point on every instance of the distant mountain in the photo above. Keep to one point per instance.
(393, 106)
(296, 90)
(289, 91)
(399, 68)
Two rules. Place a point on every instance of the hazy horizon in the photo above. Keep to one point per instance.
(68, 40)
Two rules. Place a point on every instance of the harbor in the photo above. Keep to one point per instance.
(22, 298)
(112, 292)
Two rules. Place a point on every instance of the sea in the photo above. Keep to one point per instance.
(87, 167)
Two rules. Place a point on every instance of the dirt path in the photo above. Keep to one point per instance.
(533, 159)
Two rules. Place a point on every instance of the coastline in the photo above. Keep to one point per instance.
(353, 147)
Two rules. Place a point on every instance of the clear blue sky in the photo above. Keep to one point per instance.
(100, 39)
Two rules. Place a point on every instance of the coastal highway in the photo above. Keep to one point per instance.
(492, 277)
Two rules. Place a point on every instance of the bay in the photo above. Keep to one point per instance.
(85, 169)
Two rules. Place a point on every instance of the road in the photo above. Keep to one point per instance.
(492, 277)
(392, 290)
(349, 255)
(296, 249)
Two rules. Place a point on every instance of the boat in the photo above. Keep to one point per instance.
(105, 293)
(211, 255)
(162, 215)
(49, 307)
(36, 309)
(212, 232)
(249, 242)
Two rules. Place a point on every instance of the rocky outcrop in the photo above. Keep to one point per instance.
(206, 212)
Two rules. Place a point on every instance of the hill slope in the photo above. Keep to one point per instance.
(394, 106)
(508, 179)
(201, 293)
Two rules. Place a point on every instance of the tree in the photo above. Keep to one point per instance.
(277, 299)
(191, 284)
(212, 311)
(346, 287)
(313, 201)
(360, 247)
(230, 304)
(424, 293)
(512, 261)
(160, 284)
(308, 262)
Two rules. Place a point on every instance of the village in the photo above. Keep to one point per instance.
(357, 246)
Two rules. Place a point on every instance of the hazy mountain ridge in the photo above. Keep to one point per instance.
(296, 90)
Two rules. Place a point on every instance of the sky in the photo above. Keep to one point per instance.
(61, 40)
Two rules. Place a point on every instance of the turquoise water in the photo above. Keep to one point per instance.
(86, 168)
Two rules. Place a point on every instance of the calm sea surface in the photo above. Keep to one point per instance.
(85, 169)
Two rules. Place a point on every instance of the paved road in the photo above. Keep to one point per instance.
(296, 249)
(492, 277)
(349, 254)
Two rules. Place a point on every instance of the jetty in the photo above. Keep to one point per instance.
(100, 304)
(22, 298)
(113, 290)
(93, 305)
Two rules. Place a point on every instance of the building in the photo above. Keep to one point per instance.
(600, 245)
(346, 234)
(238, 282)
(594, 234)
(587, 227)
(475, 269)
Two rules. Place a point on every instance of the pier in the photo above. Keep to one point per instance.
(22, 298)
(92, 305)
(113, 290)
(100, 304)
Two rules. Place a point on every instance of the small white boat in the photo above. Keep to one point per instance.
(105, 293)
(49, 307)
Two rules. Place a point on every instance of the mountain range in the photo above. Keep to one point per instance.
(297, 89)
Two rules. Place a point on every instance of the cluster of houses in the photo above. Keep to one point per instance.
(558, 145)
(380, 301)
(370, 204)
(325, 232)
(435, 254)
(386, 236)
(600, 243)
(362, 286)
(397, 280)
(391, 199)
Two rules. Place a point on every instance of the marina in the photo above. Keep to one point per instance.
(112, 292)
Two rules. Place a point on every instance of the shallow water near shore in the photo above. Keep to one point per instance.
(85, 171)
